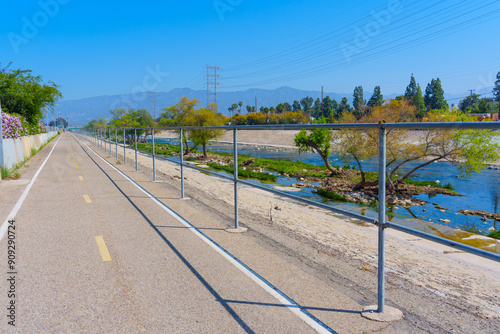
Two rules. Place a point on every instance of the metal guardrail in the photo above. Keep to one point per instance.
(98, 138)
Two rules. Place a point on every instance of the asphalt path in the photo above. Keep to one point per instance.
(105, 251)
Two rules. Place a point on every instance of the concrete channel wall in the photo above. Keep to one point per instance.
(14, 151)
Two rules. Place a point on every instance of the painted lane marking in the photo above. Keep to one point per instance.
(286, 301)
(103, 249)
(87, 199)
(15, 210)
(80, 178)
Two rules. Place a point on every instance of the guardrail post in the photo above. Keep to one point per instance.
(109, 138)
(235, 159)
(116, 143)
(381, 219)
(124, 150)
(154, 162)
(181, 155)
(135, 138)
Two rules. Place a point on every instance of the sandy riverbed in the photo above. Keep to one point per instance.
(461, 278)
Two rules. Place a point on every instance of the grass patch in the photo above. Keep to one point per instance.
(160, 149)
(288, 167)
(331, 195)
(495, 235)
(243, 173)
(429, 183)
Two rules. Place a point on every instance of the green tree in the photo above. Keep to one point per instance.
(317, 111)
(131, 118)
(240, 104)
(296, 106)
(471, 149)
(411, 89)
(377, 98)
(330, 108)
(318, 140)
(250, 109)
(24, 94)
(418, 101)
(288, 106)
(176, 116)
(352, 144)
(307, 103)
(434, 96)
(204, 118)
(280, 108)
(358, 102)
(496, 89)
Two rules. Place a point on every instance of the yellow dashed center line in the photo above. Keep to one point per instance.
(103, 249)
(80, 178)
(87, 199)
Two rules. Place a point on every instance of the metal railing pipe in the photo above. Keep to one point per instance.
(381, 218)
(181, 156)
(135, 139)
(154, 161)
(116, 143)
(235, 178)
(124, 149)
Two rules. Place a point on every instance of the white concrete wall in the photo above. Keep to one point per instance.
(17, 150)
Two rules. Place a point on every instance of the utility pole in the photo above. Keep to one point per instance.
(153, 97)
(470, 99)
(212, 84)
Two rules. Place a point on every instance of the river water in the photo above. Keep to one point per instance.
(480, 192)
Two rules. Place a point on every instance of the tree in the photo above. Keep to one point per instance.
(240, 104)
(496, 89)
(280, 108)
(377, 98)
(288, 107)
(330, 108)
(470, 148)
(204, 117)
(418, 101)
(317, 111)
(24, 94)
(176, 116)
(358, 102)
(467, 103)
(411, 89)
(434, 96)
(318, 140)
(295, 105)
(352, 144)
(131, 118)
(96, 124)
(307, 104)
(250, 109)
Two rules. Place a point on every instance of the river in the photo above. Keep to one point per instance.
(480, 192)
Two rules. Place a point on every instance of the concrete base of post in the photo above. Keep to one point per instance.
(236, 230)
(390, 314)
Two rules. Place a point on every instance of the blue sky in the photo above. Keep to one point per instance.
(92, 48)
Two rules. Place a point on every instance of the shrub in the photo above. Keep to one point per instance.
(495, 235)
(331, 195)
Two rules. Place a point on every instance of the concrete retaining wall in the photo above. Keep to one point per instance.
(17, 150)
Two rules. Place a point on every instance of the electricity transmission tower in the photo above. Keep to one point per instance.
(212, 83)
(153, 98)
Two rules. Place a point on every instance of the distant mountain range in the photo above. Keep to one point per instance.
(80, 112)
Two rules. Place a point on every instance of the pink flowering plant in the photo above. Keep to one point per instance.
(15, 126)
(11, 126)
